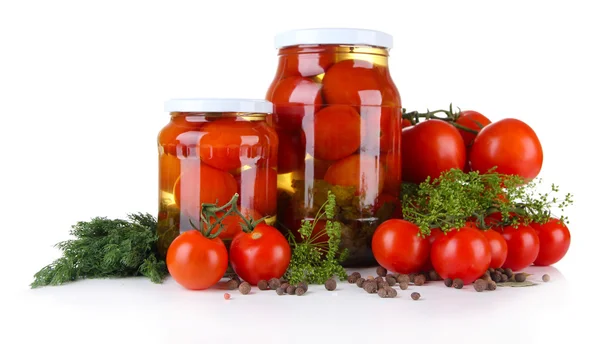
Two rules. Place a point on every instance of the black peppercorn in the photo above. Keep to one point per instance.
(419, 279)
(508, 272)
(244, 288)
(381, 271)
(280, 291)
(496, 276)
(520, 277)
(360, 282)
(356, 273)
(284, 285)
(415, 296)
(291, 290)
(303, 285)
(232, 284)
(480, 285)
(403, 278)
(403, 285)
(500, 270)
(457, 283)
(390, 280)
(486, 277)
(352, 279)
(504, 278)
(491, 285)
(411, 277)
(330, 284)
(370, 287)
(274, 283)
(546, 278)
(434, 276)
(263, 285)
(300, 291)
(448, 282)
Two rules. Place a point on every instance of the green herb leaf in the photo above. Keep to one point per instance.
(525, 283)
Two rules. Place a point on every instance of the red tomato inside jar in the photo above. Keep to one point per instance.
(210, 150)
(337, 113)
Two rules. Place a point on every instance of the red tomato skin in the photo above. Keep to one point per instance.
(262, 254)
(511, 146)
(435, 233)
(398, 247)
(291, 153)
(523, 246)
(555, 239)
(196, 262)
(336, 132)
(361, 171)
(472, 120)
(208, 185)
(293, 98)
(463, 254)
(498, 247)
(348, 81)
(430, 148)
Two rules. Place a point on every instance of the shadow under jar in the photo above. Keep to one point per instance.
(337, 113)
(210, 150)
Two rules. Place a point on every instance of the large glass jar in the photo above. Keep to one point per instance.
(337, 113)
(210, 150)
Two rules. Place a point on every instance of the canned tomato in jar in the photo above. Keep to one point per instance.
(337, 113)
(210, 150)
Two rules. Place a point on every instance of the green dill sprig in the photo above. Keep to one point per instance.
(104, 248)
(457, 197)
(314, 260)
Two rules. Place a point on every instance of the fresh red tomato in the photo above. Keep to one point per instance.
(387, 200)
(196, 262)
(336, 132)
(523, 246)
(472, 120)
(200, 183)
(498, 248)
(511, 146)
(398, 247)
(406, 123)
(291, 152)
(356, 83)
(293, 98)
(364, 173)
(430, 148)
(232, 224)
(463, 254)
(435, 233)
(393, 173)
(259, 190)
(260, 255)
(555, 239)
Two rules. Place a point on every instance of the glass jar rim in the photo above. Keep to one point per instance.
(333, 36)
(240, 105)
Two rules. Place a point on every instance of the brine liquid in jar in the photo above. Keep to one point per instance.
(210, 150)
(337, 113)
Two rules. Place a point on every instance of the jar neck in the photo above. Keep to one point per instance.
(213, 116)
(376, 55)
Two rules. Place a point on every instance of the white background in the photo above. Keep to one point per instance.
(82, 86)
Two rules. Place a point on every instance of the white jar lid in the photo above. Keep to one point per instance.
(334, 36)
(219, 105)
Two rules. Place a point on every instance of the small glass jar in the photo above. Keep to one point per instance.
(337, 113)
(210, 150)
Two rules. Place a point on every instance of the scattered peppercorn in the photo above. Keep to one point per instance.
(378, 279)
(434, 276)
(244, 288)
(382, 293)
(274, 283)
(370, 287)
(480, 285)
(491, 285)
(403, 278)
(496, 276)
(360, 282)
(330, 284)
(232, 284)
(415, 296)
(457, 283)
(283, 280)
(237, 278)
(263, 285)
(512, 278)
(382, 284)
(487, 273)
(381, 271)
(504, 278)
(520, 277)
(370, 277)
(352, 279)
(491, 270)
(500, 270)
(391, 292)
(508, 272)
(284, 285)
(280, 291)
(391, 280)
(356, 273)
(291, 290)
(546, 278)
(486, 277)
(448, 282)
(419, 279)
(403, 285)
(396, 275)
(300, 291)
(303, 285)
(411, 278)
(226, 296)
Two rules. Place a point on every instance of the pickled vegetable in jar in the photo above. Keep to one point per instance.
(337, 113)
(210, 150)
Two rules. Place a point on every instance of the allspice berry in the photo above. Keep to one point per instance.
(415, 296)
(448, 282)
(391, 292)
(546, 278)
(274, 283)
(390, 280)
(284, 285)
(263, 285)
(508, 272)
(504, 278)
(232, 284)
(496, 276)
(303, 285)
(403, 285)
(360, 282)
(491, 285)
(352, 279)
(457, 283)
(420, 279)
(245, 288)
(520, 277)
(381, 271)
(433, 276)
(402, 278)
(291, 290)
(382, 293)
(480, 285)
(300, 291)
(330, 284)
(280, 291)
(370, 287)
